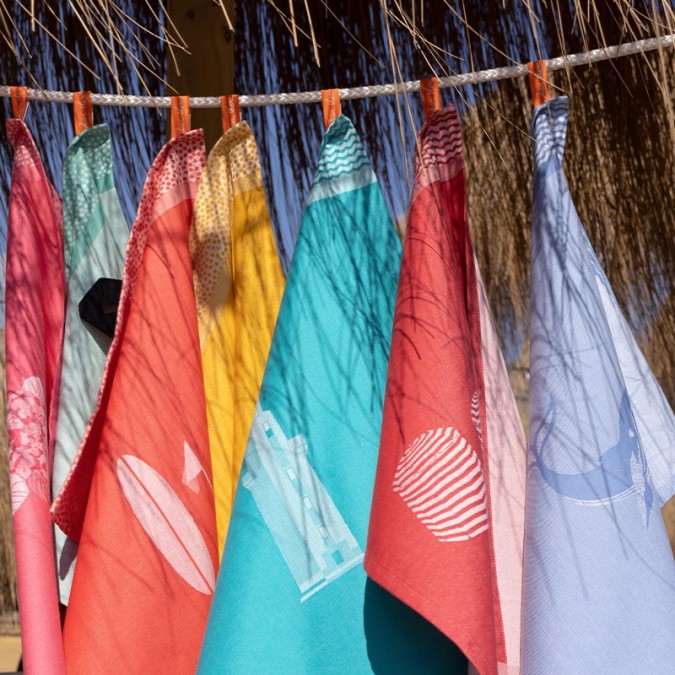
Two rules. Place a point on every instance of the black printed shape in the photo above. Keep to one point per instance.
(99, 306)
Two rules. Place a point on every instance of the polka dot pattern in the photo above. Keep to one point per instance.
(178, 165)
(233, 166)
(26, 155)
(87, 170)
(25, 152)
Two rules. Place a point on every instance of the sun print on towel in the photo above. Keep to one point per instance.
(440, 479)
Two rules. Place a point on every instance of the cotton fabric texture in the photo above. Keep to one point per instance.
(139, 496)
(446, 527)
(599, 578)
(291, 589)
(96, 235)
(238, 286)
(34, 304)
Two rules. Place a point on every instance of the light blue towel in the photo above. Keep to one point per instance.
(599, 577)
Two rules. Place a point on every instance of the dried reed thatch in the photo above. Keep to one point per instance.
(620, 168)
(619, 158)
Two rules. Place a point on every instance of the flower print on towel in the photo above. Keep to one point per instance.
(27, 432)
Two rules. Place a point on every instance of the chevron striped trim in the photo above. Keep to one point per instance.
(343, 164)
(440, 149)
(341, 153)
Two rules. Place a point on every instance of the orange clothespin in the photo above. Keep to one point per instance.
(332, 108)
(539, 84)
(230, 112)
(83, 115)
(431, 97)
(19, 101)
(180, 115)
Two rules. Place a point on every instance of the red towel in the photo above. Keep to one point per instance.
(446, 524)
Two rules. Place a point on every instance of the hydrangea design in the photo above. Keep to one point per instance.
(27, 431)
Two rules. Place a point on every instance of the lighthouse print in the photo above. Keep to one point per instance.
(311, 534)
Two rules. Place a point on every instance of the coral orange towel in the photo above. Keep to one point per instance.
(147, 557)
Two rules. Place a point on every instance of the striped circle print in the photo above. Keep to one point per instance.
(440, 479)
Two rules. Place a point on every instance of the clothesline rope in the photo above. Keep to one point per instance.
(370, 91)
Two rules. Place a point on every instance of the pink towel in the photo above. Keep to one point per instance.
(34, 335)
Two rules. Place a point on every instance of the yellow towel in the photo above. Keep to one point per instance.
(238, 286)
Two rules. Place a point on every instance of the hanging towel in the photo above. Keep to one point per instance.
(238, 285)
(290, 592)
(96, 234)
(446, 527)
(147, 541)
(33, 338)
(599, 577)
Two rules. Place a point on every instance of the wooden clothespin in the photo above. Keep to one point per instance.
(180, 115)
(83, 114)
(19, 101)
(539, 84)
(332, 108)
(230, 111)
(431, 97)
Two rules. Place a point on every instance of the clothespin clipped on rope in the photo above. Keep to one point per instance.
(431, 97)
(19, 101)
(539, 84)
(83, 114)
(332, 108)
(230, 112)
(180, 115)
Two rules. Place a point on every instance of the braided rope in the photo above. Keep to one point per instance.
(290, 98)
